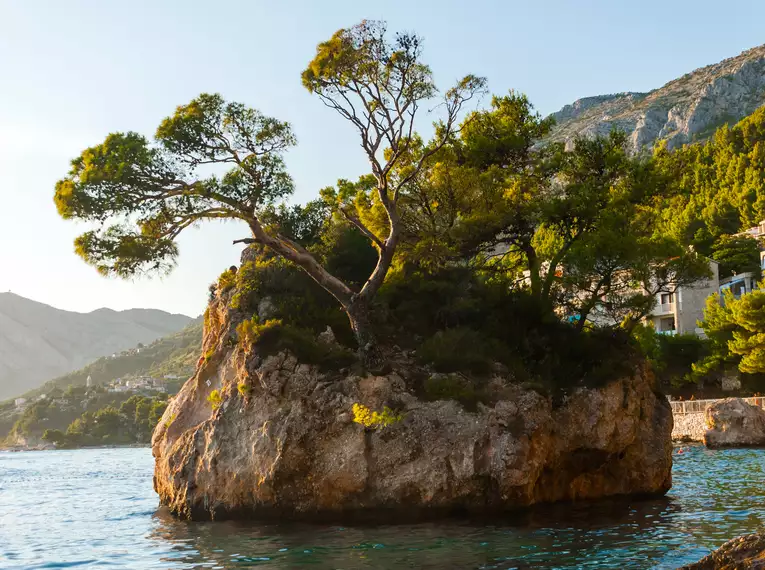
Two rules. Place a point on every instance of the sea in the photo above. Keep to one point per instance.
(95, 508)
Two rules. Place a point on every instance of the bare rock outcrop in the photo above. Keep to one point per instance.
(282, 441)
(687, 109)
(744, 552)
(734, 423)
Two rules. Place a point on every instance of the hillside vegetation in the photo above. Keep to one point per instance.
(39, 342)
(175, 355)
(685, 110)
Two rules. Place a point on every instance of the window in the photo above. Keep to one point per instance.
(667, 298)
(738, 288)
(667, 324)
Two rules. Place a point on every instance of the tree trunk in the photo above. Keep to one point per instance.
(369, 349)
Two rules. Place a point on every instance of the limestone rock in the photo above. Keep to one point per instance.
(291, 449)
(734, 423)
(737, 554)
(266, 308)
(327, 337)
(684, 110)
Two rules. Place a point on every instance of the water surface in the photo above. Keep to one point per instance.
(94, 508)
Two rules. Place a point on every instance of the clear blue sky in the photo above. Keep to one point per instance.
(74, 70)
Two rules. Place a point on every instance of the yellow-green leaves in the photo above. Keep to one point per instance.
(375, 420)
(215, 399)
(149, 192)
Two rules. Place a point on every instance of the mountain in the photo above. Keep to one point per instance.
(175, 355)
(39, 342)
(687, 109)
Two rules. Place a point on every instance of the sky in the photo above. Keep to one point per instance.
(73, 71)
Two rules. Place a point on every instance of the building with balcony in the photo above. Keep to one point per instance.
(678, 312)
(739, 284)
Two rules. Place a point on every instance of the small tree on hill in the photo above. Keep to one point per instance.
(143, 194)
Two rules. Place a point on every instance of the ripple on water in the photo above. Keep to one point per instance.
(96, 508)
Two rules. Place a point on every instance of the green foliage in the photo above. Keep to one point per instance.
(215, 399)
(746, 315)
(460, 323)
(715, 189)
(674, 358)
(132, 422)
(54, 436)
(293, 297)
(273, 336)
(363, 55)
(252, 331)
(737, 254)
(736, 332)
(175, 354)
(244, 389)
(227, 280)
(452, 387)
(375, 420)
(149, 192)
(503, 136)
(458, 349)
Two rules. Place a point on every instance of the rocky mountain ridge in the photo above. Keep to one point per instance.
(39, 342)
(685, 110)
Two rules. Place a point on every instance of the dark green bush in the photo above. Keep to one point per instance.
(457, 349)
(297, 300)
(273, 336)
(452, 387)
(672, 357)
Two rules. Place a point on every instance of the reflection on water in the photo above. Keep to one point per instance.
(96, 507)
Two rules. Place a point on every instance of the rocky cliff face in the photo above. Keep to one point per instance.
(684, 110)
(282, 441)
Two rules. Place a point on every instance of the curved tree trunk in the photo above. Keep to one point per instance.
(361, 324)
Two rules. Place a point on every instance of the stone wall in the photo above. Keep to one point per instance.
(689, 427)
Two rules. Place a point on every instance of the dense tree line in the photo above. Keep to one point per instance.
(479, 245)
(86, 416)
(132, 422)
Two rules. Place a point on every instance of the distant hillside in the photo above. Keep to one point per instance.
(175, 354)
(39, 342)
(684, 110)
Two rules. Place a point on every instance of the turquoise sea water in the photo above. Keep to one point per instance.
(95, 508)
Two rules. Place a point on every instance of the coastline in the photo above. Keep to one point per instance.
(54, 448)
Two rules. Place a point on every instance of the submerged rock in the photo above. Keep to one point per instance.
(737, 554)
(734, 423)
(283, 441)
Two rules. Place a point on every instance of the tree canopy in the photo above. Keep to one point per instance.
(142, 194)
(485, 215)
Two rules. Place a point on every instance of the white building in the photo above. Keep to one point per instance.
(679, 312)
(19, 402)
(739, 284)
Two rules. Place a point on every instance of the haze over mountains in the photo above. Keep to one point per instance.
(687, 109)
(39, 342)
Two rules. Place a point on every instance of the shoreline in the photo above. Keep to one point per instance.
(54, 448)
